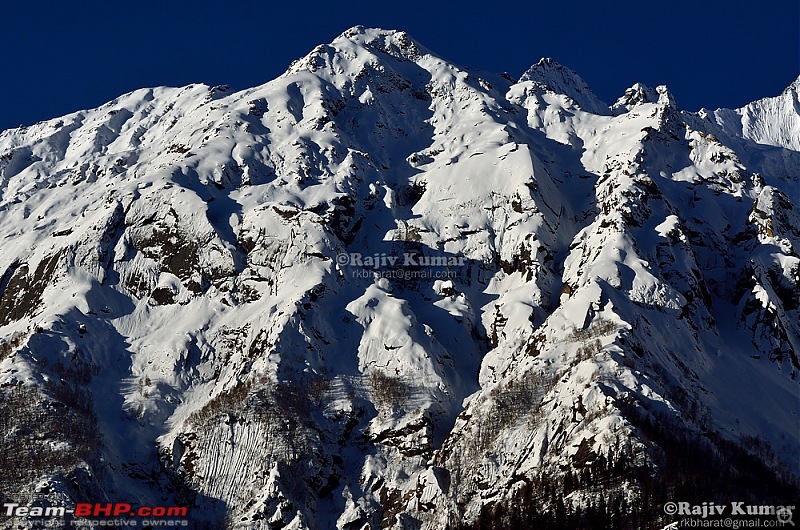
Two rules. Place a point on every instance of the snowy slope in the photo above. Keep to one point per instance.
(559, 79)
(771, 121)
(382, 290)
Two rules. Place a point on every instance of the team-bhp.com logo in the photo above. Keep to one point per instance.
(86, 514)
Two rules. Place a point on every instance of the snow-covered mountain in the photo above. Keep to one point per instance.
(772, 121)
(384, 291)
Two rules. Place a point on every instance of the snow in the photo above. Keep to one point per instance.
(666, 227)
(560, 80)
(773, 121)
(197, 231)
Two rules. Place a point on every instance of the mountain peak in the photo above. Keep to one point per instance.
(640, 94)
(771, 121)
(561, 80)
(397, 43)
(665, 97)
(357, 46)
(793, 87)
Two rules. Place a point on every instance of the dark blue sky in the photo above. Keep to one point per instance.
(58, 57)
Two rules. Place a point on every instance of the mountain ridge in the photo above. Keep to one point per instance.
(182, 278)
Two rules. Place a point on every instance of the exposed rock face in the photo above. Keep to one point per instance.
(382, 291)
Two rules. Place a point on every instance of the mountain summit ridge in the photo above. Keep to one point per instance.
(771, 120)
(562, 80)
(384, 290)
